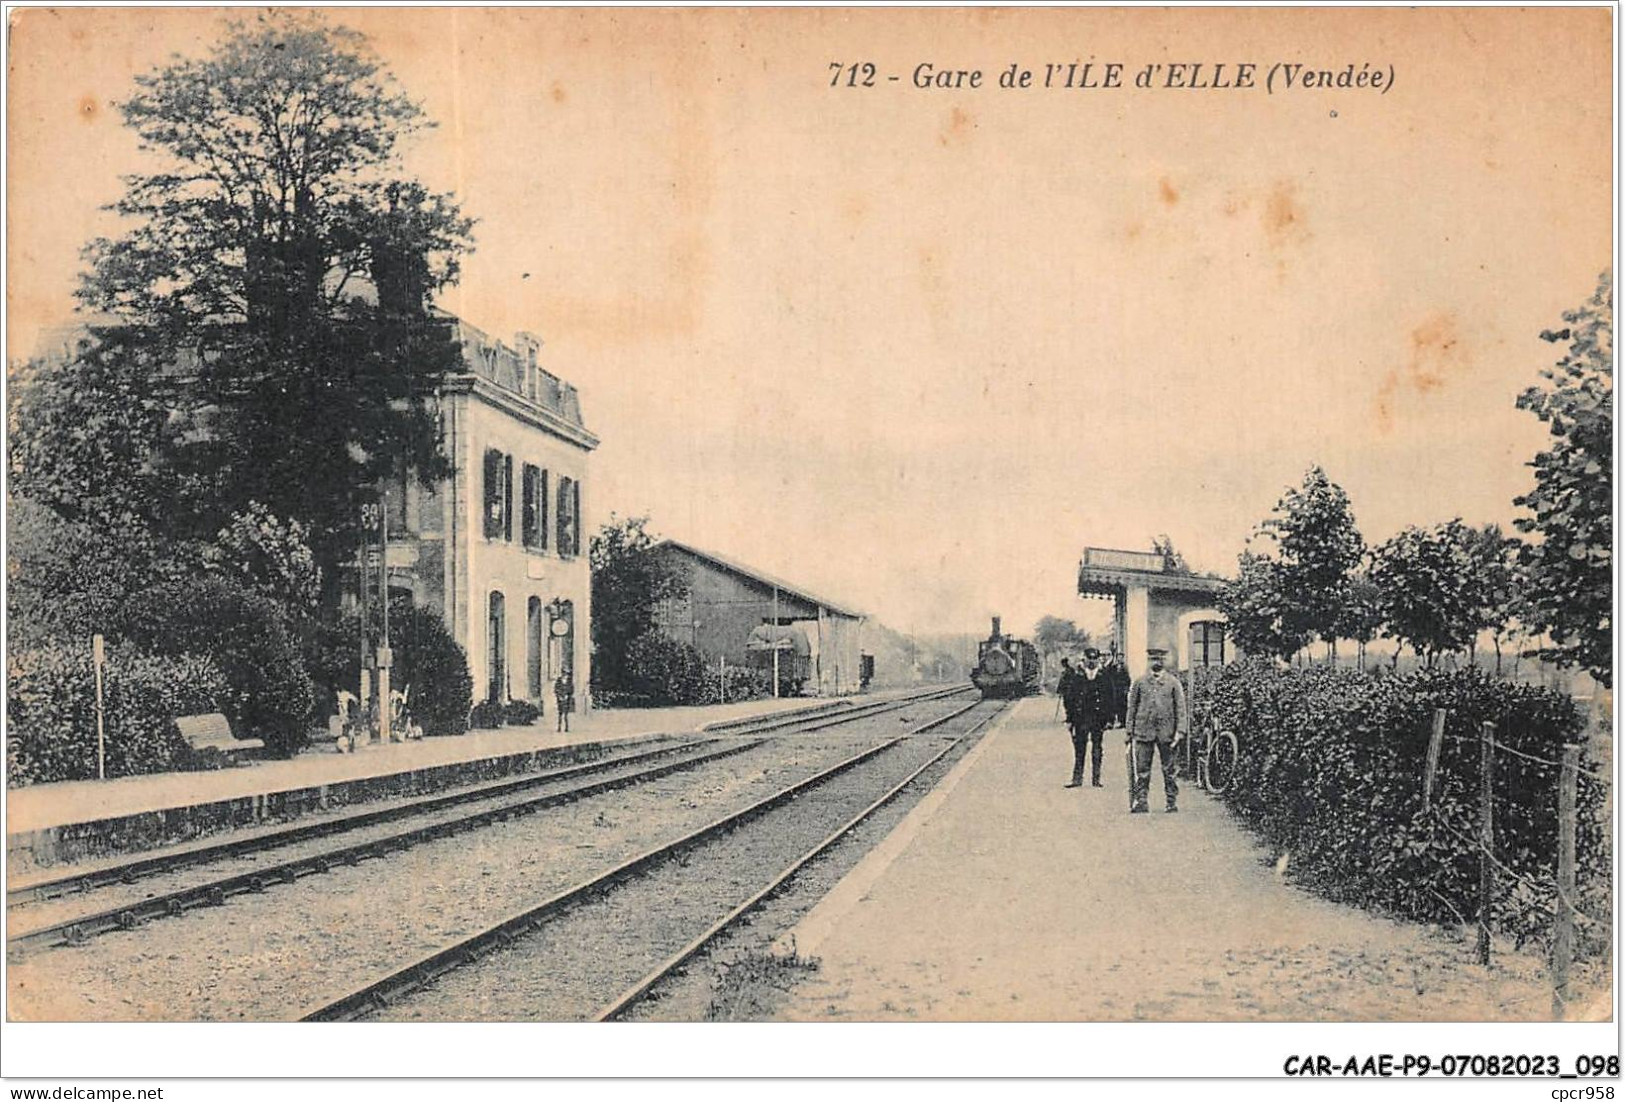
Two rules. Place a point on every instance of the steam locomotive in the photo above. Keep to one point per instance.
(1005, 667)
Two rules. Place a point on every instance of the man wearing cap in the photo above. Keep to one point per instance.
(1155, 720)
(1091, 709)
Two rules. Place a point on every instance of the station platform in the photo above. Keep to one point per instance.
(50, 823)
(1004, 896)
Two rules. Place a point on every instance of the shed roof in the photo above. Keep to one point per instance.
(761, 578)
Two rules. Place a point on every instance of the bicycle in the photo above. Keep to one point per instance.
(1216, 766)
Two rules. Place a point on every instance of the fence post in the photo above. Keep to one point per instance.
(98, 655)
(1563, 932)
(1486, 837)
(1433, 757)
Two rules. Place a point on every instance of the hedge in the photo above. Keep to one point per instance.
(661, 671)
(249, 638)
(51, 711)
(429, 664)
(1331, 771)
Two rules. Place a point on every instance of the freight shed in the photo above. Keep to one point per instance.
(727, 600)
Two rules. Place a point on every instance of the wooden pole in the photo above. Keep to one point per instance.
(385, 657)
(1434, 743)
(1486, 837)
(1563, 932)
(98, 652)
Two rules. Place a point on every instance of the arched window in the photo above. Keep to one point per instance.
(535, 636)
(496, 644)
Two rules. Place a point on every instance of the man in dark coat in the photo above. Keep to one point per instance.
(1092, 709)
(1066, 690)
(1117, 669)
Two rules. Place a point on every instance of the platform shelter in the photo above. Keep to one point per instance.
(1156, 606)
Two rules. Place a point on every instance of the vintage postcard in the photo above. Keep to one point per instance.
(815, 515)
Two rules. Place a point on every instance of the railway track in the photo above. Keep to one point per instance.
(839, 797)
(496, 804)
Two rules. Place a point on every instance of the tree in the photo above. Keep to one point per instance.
(628, 582)
(1569, 570)
(266, 553)
(1428, 591)
(1261, 617)
(1052, 634)
(1360, 618)
(271, 293)
(1320, 547)
(1172, 561)
(1495, 587)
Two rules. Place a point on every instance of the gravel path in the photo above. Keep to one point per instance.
(576, 963)
(1022, 900)
(271, 957)
(737, 978)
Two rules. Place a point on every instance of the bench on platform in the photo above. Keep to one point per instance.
(209, 736)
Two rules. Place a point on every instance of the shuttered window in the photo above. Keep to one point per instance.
(507, 497)
(566, 523)
(575, 518)
(541, 509)
(493, 494)
(530, 526)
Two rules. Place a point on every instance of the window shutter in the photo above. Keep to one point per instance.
(541, 510)
(527, 493)
(493, 493)
(563, 533)
(507, 497)
(575, 517)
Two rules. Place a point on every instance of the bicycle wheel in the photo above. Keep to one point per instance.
(1222, 751)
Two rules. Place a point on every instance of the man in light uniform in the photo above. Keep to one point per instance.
(1155, 722)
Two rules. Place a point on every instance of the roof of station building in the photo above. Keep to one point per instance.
(733, 566)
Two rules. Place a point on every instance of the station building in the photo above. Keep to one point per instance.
(728, 603)
(1157, 607)
(497, 548)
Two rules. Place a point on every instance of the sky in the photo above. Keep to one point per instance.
(917, 348)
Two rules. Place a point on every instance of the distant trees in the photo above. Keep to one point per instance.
(1569, 569)
(1283, 601)
(1052, 634)
(1172, 561)
(1441, 588)
(1260, 611)
(1425, 580)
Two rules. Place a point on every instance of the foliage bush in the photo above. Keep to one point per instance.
(487, 714)
(1331, 769)
(248, 637)
(662, 671)
(429, 664)
(51, 711)
(520, 713)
